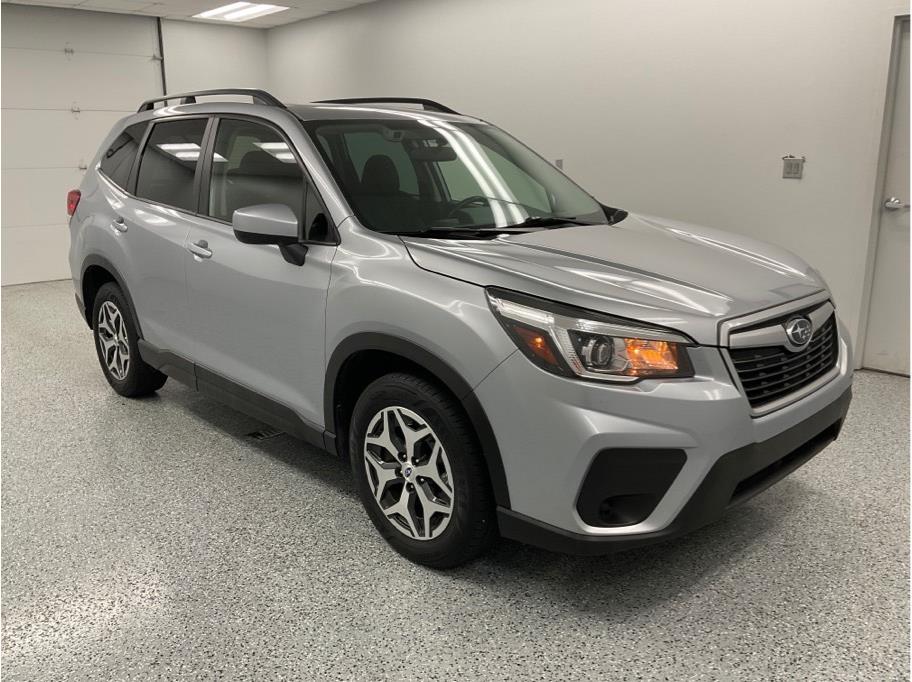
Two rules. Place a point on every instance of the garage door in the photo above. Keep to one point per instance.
(67, 77)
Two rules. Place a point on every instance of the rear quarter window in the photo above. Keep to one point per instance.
(117, 160)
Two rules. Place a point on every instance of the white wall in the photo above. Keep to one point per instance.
(53, 60)
(204, 56)
(111, 69)
(680, 109)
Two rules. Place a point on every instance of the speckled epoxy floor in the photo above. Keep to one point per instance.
(151, 538)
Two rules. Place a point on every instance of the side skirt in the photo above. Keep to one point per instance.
(235, 396)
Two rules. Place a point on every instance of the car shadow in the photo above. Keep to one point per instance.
(307, 459)
(629, 581)
(625, 582)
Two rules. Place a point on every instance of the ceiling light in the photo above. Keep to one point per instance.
(272, 146)
(179, 146)
(239, 11)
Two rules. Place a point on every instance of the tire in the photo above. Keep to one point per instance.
(116, 338)
(452, 475)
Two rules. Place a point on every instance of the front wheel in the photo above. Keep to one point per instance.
(420, 473)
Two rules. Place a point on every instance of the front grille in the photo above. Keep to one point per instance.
(772, 372)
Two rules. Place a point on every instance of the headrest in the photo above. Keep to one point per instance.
(258, 162)
(379, 176)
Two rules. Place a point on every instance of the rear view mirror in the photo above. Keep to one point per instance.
(431, 154)
(265, 224)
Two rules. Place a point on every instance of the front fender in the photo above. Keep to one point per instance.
(380, 300)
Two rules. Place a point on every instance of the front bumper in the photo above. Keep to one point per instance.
(701, 449)
(736, 477)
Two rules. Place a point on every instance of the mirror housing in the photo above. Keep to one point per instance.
(615, 215)
(266, 224)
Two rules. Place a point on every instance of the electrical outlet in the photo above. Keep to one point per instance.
(792, 167)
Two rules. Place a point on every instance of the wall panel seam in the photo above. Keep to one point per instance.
(76, 52)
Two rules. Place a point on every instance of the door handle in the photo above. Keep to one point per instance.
(119, 225)
(200, 249)
(894, 204)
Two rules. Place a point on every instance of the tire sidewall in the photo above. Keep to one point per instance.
(468, 497)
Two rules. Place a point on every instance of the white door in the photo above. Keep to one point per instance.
(886, 344)
(67, 77)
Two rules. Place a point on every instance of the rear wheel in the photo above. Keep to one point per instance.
(420, 473)
(116, 340)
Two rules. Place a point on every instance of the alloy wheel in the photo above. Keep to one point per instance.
(112, 335)
(409, 473)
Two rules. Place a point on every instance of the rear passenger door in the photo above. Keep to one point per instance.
(153, 225)
(258, 320)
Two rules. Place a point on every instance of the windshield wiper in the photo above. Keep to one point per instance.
(491, 231)
(549, 221)
(459, 233)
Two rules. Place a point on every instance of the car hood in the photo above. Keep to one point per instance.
(649, 269)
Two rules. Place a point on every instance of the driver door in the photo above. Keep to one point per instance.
(258, 320)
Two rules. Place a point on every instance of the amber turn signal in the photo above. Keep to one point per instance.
(648, 357)
(537, 343)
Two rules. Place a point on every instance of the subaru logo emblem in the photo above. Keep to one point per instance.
(408, 471)
(798, 330)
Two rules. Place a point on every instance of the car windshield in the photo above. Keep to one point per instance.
(443, 178)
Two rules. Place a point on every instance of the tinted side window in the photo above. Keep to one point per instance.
(169, 162)
(252, 165)
(117, 161)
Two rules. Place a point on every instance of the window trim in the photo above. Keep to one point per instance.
(139, 148)
(208, 147)
(134, 175)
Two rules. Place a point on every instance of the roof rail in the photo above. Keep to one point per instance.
(259, 97)
(428, 104)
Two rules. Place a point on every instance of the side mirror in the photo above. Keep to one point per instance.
(615, 215)
(265, 224)
(270, 224)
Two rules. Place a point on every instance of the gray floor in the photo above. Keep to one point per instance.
(153, 539)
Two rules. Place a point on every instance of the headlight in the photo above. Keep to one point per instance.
(575, 342)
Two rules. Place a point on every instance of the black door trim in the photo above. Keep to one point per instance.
(233, 394)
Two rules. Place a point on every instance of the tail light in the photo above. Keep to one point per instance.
(73, 197)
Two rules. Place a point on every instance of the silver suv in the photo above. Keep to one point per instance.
(496, 352)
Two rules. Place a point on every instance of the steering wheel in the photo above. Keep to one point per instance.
(468, 201)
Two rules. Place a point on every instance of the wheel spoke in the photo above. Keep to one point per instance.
(385, 472)
(411, 434)
(430, 505)
(119, 325)
(384, 438)
(111, 356)
(431, 470)
(106, 342)
(104, 324)
(405, 509)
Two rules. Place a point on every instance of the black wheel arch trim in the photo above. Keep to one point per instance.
(102, 262)
(454, 382)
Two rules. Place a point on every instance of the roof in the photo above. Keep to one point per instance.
(359, 108)
(318, 111)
